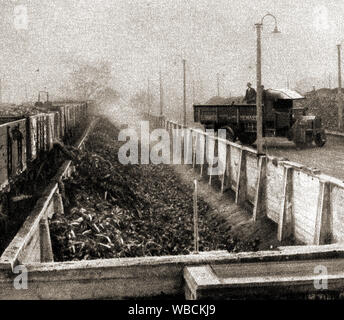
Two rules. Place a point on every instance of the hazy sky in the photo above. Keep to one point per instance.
(139, 36)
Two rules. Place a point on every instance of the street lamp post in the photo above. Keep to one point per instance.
(259, 27)
(339, 98)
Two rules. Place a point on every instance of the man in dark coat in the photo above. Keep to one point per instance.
(250, 96)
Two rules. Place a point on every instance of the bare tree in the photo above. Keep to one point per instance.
(142, 101)
(90, 81)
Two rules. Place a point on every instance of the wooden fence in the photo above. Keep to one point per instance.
(303, 202)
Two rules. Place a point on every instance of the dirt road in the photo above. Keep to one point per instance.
(329, 159)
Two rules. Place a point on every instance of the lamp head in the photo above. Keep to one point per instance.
(276, 30)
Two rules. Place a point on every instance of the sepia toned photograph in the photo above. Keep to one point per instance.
(181, 152)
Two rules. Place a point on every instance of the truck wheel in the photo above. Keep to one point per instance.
(247, 138)
(230, 134)
(290, 135)
(309, 140)
(300, 145)
(320, 140)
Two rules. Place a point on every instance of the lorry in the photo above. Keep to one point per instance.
(43, 103)
(280, 119)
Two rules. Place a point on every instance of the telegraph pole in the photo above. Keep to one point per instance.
(26, 98)
(340, 109)
(193, 91)
(0, 90)
(161, 95)
(148, 97)
(184, 92)
(218, 84)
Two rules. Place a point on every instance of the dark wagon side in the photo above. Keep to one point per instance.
(280, 119)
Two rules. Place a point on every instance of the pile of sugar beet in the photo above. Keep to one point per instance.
(114, 210)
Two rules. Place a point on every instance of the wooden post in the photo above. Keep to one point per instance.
(285, 228)
(323, 229)
(194, 150)
(259, 199)
(188, 140)
(227, 176)
(240, 195)
(203, 146)
(221, 147)
(45, 242)
(196, 238)
(58, 203)
(211, 160)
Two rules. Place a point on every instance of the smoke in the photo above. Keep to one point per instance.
(121, 113)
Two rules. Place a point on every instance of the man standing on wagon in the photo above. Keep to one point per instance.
(250, 95)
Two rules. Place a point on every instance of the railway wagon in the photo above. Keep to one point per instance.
(280, 119)
(24, 139)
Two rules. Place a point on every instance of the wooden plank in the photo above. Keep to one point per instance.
(259, 209)
(196, 277)
(337, 213)
(274, 189)
(222, 159)
(223, 281)
(11, 255)
(120, 278)
(32, 252)
(285, 227)
(235, 164)
(305, 199)
(252, 172)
